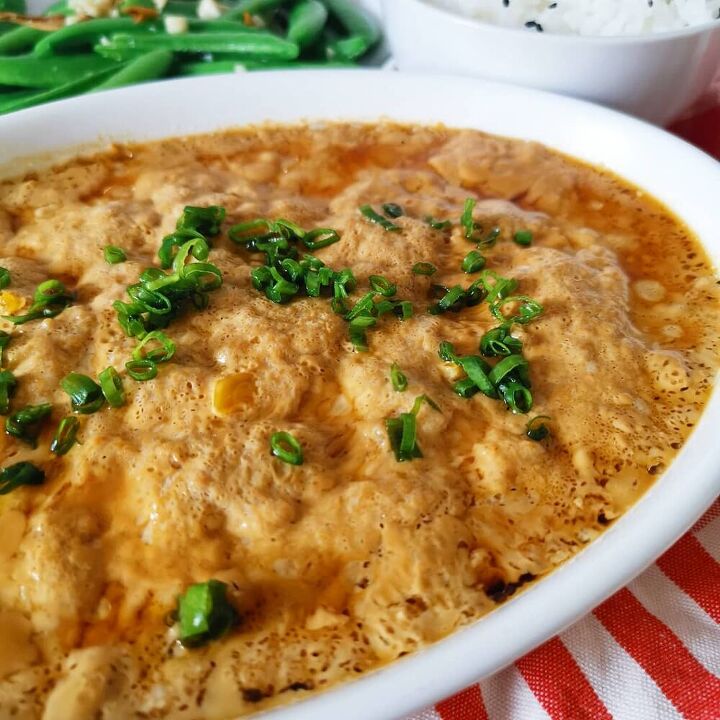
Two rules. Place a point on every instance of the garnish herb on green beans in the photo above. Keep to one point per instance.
(65, 435)
(424, 268)
(8, 384)
(537, 429)
(204, 613)
(4, 278)
(286, 448)
(50, 299)
(86, 396)
(398, 378)
(26, 423)
(374, 217)
(21, 473)
(114, 255)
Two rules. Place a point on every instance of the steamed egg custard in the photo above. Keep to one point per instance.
(285, 403)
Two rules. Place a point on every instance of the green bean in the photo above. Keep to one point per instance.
(251, 44)
(57, 93)
(146, 67)
(9, 99)
(88, 32)
(20, 39)
(180, 7)
(14, 6)
(240, 64)
(363, 31)
(28, 71)
(59, 8)
(306, 22)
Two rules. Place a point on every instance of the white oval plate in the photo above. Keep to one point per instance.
(684, 178)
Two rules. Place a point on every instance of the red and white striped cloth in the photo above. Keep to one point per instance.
(650, 652)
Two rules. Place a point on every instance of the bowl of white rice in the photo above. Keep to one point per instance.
(650, 58)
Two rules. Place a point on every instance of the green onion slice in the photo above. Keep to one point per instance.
(286, 448)
(452, 301)
(510, 364)
(490, 239)
(398, 378)
(8, 384)
(50, 299)
(204, 220)
(537, 428)
(252, 231)
(5, 338)
(466, 388)
(4, 278)
(497, 287)
(112, 387)
(86, 395)
(424, 268)
(205, 613)
(473, 262)
(203, 276)
(22, 473)
(498, 342)
(357, 331)
(392, 210)
(421, 400)
(114, 254)
(162, 352)
(517, 397)
(447, 353)
(141, 370)
(523, 238)
(25, 424)
(65, 436)
(320, 238)
(480, 373)
(382, 285)
(374, 217)
(438, 224)
(470, 227)
(528, 310)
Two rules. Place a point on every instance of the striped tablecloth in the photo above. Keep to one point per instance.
(650, 652)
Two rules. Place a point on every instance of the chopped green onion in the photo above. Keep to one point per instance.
(470, 227)
(398, 378)
(451, 301)
(382, 285)
(357, 331)
(141, 370)
(65, 436)
(420, 400)
(205, 613)
(500, 288)
(364, 306)
(516, 396)
(22, 473)
(378, 219)
(480, 373)
(523, 238)
(490, 239)
(114, 254)
(253, 231)
(25, 424)
(510, 364)
(537, 428)
(204, 220)
(447, 352)
(112, 387)
(5, 338)
(466, 388)
(8, 384)
(424, 268)
(402, 433)
(202, 275)
(529, 309)
(164, 350)
(177, 240)
(498, 342)
(286, 448)
(50, 299)
(392, 210)
(320, 238)
(85, 394)
(404, 309)
(4, 278)
(473, 262)
(438, 224)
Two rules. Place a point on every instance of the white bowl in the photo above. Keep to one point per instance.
(656, 77)
(676, 173)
